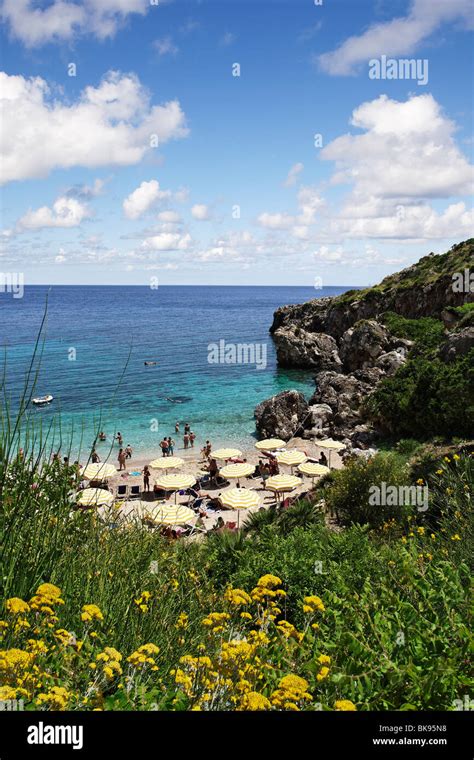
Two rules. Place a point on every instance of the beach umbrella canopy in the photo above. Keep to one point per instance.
(95, 497)
(292, 457)
(239, 498)
(166, 463)
(313, 469)
(269, 444)
(170, 514)
(98, 471)
(239, 470)
(226, 453)
(283, 483)
(175, 482)
(330, 443)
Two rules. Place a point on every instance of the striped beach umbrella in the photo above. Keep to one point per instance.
(226, 453)
(269, 444)
(237, 471)
(175, 482)
(291, 458)
(239, 498)
(282, 483)
(331, 445)
(98, 471)
(166, 463)
(170, 514)
(313, 469)
(95, 497)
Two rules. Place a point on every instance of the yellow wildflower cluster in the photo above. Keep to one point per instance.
(91, 612)
(291, 693)
(216, 621)
(56, 698)
(344, 705)
(142, 656)
(237, 597)
(109, 659)
(142, 601)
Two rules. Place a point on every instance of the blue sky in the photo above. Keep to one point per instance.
(88, 199)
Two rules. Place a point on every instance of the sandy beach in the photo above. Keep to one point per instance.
(194, 464)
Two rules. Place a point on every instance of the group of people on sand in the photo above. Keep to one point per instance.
(189, 436)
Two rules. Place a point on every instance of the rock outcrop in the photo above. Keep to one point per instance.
(345, 339)
(282, 416)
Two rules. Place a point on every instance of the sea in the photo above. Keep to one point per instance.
(96, 339)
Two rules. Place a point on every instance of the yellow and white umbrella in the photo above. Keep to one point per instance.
(239, 470)
(166, 463)
(98, 471)
(226, 453)
(95, 497)
(291, 458)
(331, 445)
(239, 498)
(169, 514)
(269, 444)
(313, 469)
(282, 483)
(175, 482)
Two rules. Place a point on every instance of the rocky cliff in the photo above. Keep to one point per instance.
(351, 343)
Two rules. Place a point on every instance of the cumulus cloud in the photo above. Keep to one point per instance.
(277, 221)
(66, 212)
(200, 212)
(108, 125)
(400, 36)
(64, 20)
(167, 241)
(407, 150)
(143, 198)
(292, 175)
(169, 217)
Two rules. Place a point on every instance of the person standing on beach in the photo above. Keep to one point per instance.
(186, 440)
(192, 438)
(164, 447)
(128, 452)
(146, 478)
(176, 427)
(121, 459)
(171, 444)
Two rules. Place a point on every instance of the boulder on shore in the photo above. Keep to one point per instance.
(282, 416)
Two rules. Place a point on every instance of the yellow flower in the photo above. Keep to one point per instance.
(254, 701)
(237, 597)
(17, 606)
(183, 621)
(456, 457)
(313, 604)
(323, 673)
(421, 531)
(344, 705)
(269, 581)
(215, 621)
(56, 698)
(324, 659)
(456, 537)
(439, 472)
(291, 691)
(420, 482)
(63, 636)
(289, 631)
(91, 612)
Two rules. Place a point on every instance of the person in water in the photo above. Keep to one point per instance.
(187, 428)
(176, 427)
(146, 478)
(186, 440)
(95, 458)
(102, 436)
(192, 438)
(128, 452)
(121, 459)
(119, 438)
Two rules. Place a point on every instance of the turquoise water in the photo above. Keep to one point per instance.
(97, 339)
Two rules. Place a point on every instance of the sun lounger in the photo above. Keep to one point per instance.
(135, 491)
(122, 491)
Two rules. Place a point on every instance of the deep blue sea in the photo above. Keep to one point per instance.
(97, 339)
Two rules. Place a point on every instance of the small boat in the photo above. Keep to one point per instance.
(42, 400)
(150, 364)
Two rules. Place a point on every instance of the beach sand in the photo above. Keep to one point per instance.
(194, 463)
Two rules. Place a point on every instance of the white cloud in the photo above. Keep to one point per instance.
(108, 125)
(169, 217)
(407, 150)
(227, 39)
(309, 202)
(85, 192)
(143, 198)
(167, 241)
(275, 221)
(65, 20)
(165, 46)
(292, 176)
(66, 212)
(326, 254)
(401, 36)
(200, 212)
